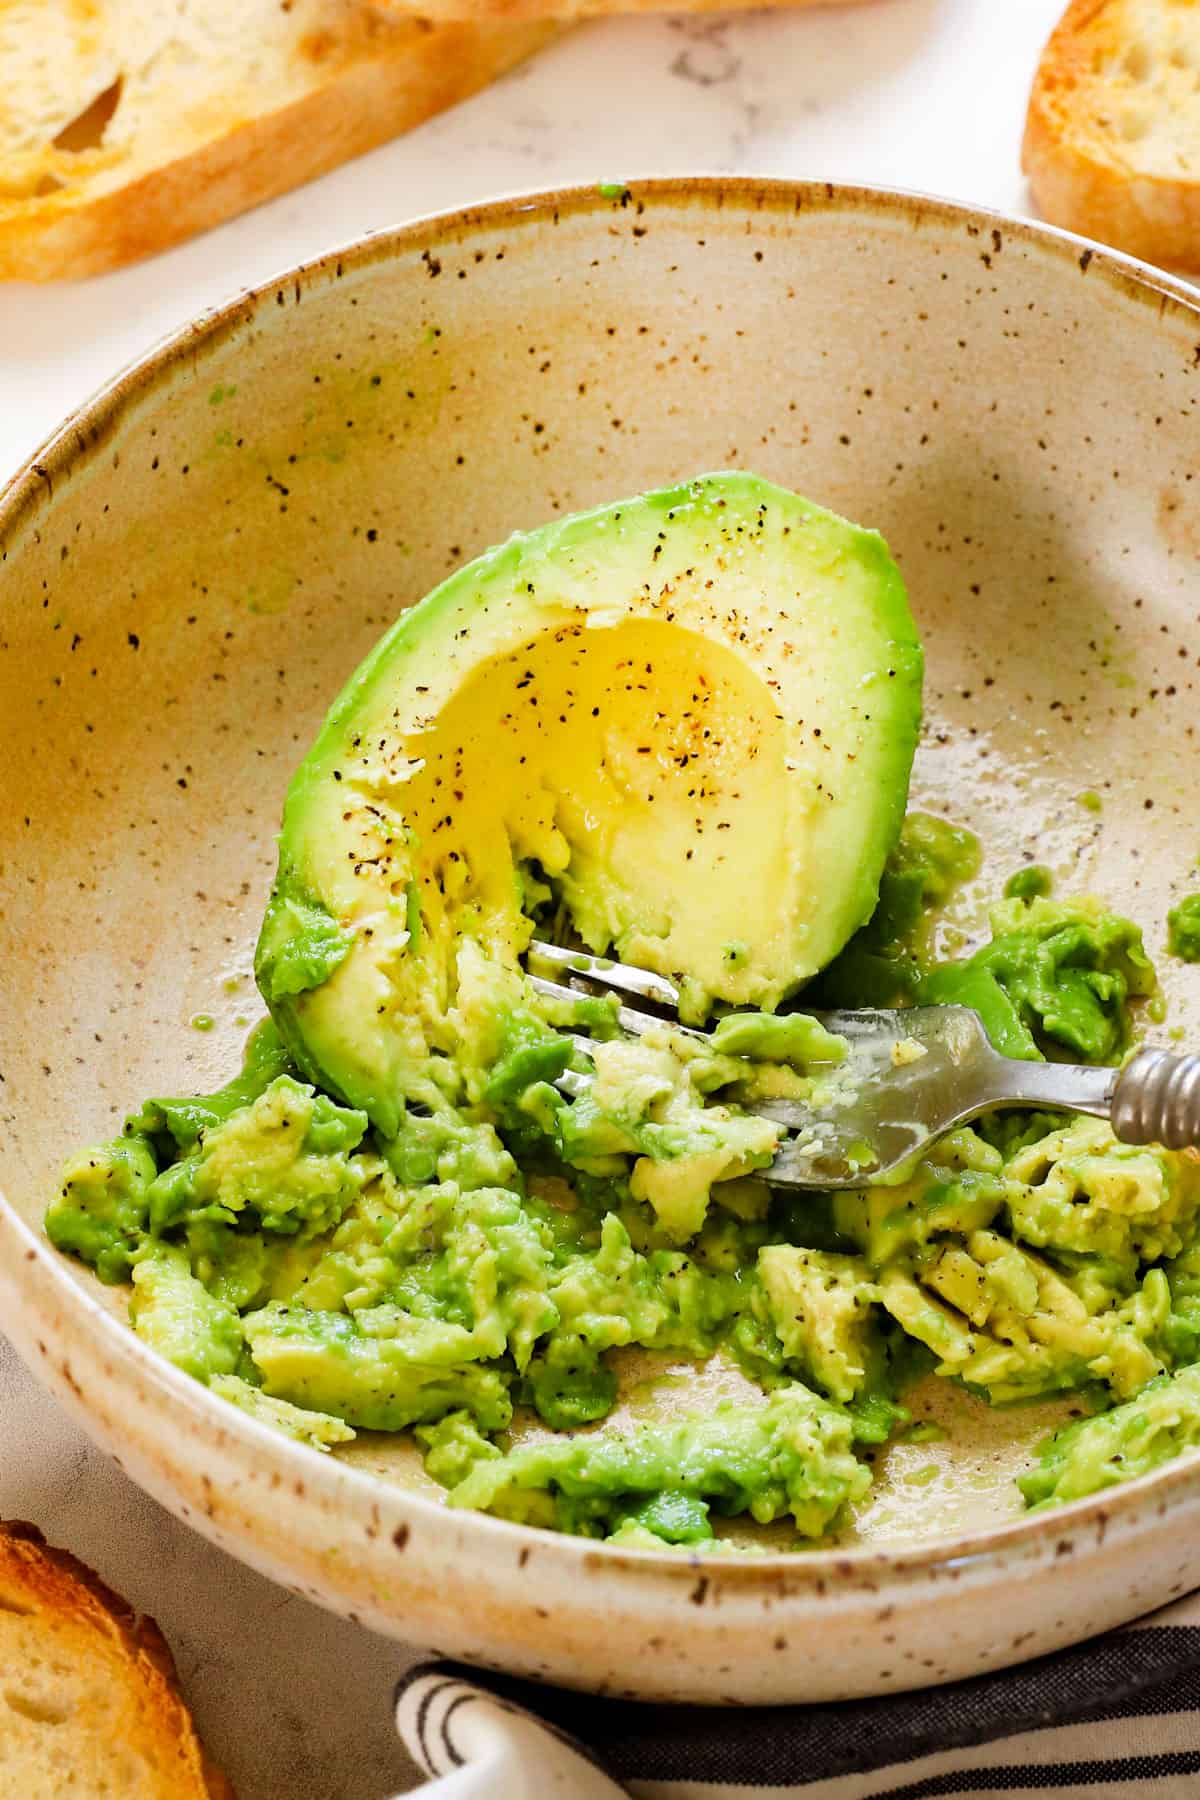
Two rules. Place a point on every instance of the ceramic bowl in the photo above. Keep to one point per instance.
(191, 567)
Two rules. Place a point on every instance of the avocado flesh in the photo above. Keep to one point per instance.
(690, 715)
(346, 1280)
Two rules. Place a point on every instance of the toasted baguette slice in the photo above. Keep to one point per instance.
(442, 10)
(89, 1697)
(129, 125)
(1112, 138)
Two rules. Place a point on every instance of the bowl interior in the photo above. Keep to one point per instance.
(193, 570)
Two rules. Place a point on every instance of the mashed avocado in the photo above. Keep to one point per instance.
(680, 728)
(326, 1278)
(1130, 1440)
(794, 1455)
(1183, 929)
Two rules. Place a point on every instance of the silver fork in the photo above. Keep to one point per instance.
(909, 1076)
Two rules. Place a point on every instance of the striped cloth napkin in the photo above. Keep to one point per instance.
(1117, 1718)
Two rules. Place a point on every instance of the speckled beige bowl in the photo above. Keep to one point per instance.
(203, 553)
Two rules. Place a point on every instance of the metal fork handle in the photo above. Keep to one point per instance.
(1154, 1099)
(1007, 1082)
(1157, 1100)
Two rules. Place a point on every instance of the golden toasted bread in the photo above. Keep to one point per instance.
(1112, 137)
(567, 10)
(129, 125)
(89, 1698)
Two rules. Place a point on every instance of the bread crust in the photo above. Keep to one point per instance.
(56, 1596)
(372, 78)
(1084, 170)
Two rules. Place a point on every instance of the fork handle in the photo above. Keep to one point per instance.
(1069, 1086)
(1156, 1100)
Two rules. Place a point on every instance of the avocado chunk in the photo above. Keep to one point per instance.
(688, 717)
(1081, 1190)
(177, 1316)
(1005, 1322)
(794, 1454)
(1183, 929)
(103, 1205)
(319, 1430)
(1162, 1422)
(324, 1362)
(1060, 971)
(820, 1305)
(285, 1158)
(648, 1103)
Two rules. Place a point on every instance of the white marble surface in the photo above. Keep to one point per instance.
(925, 94)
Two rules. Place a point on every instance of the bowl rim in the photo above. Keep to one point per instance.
(84, 433)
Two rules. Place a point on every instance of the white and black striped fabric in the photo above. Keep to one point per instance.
(1117, 1718)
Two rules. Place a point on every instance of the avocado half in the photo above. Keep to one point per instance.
(688, 717)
